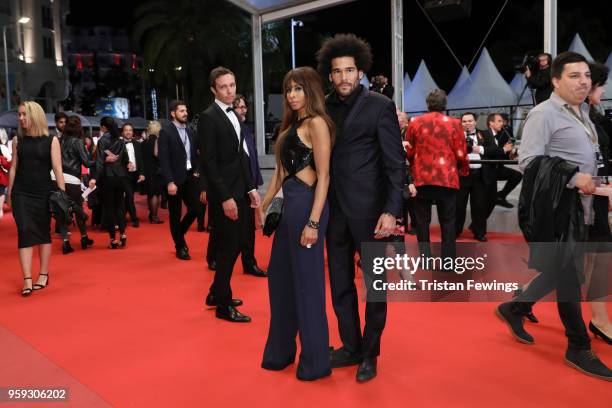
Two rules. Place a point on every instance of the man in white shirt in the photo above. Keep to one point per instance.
(135, 170)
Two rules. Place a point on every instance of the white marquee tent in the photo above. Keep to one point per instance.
(422, 83)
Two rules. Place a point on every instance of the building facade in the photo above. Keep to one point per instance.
(35, 52)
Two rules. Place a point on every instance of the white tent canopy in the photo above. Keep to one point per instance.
(487, 88)
(421, 85)
(406, 86)
(518, 84)
(578, 46)
(463, 77)
(609, 61)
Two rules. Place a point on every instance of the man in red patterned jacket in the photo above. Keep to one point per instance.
(436, 151)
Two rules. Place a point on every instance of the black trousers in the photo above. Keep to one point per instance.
(567, 285)
(446, 201)
(74, 191)
(113, 190)
(228, 236)
(187, 193)
(247, 243)
(344, 238)
(130, 188)
(512, 177)
(482, 200)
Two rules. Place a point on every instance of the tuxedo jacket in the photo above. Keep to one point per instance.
(138, 157)
(253, 159)
(491, 152)
(368, 169)
(225, 165)
(172, 155)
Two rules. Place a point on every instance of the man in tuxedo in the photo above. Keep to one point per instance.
(367, 173)
(480, 185)
(247, 250)
(60, 123)
(229, 188)
(179, 164)
(135, 170)
(499, 134)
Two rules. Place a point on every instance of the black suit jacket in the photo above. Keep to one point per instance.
(225, 166)
(367, 165)
(138, 154)
(172, 155)
(492, 151)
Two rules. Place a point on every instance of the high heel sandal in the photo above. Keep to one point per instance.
(27, 291)
(38, 286)
(597, 332)
(113, 245)
(123, 241)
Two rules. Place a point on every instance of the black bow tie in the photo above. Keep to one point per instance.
(230, 109)
(472, 134)
(128, 141)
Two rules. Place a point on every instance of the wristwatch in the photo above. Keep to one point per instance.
(312, 224)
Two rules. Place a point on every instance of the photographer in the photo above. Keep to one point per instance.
(540, 79)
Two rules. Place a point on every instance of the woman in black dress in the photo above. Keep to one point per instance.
(153, 179)
(296, 277)
(111, 168)
(35, 154)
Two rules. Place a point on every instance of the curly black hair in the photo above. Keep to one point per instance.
(344, 45)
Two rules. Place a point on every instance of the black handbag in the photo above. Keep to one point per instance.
(61, 206)
(274, 214)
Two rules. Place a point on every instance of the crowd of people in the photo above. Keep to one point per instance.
(348, 167)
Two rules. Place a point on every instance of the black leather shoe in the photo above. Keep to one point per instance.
(256, 271)
(366, 370)
(67, 248)
(598, 333)
(588, 362)
(183, 254)
(503, 202)
(201, 228)
(231, 314)
(86, 242)
(508, 314)
(136, 223)
(529, 315)
(480, 238)
(212, 265)
(211, 301)
(343, 358)
(155, 220)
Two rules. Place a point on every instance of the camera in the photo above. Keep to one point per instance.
(470, 144)
(530, 60)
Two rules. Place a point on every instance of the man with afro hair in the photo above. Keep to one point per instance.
(365, 195)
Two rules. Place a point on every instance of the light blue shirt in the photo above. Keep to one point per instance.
(182, 130)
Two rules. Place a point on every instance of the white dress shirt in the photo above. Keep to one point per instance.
(131, 154)
(475, 156)
(231, 115)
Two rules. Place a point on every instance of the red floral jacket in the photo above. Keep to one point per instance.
(436, 150)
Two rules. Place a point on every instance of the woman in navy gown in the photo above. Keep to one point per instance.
(296, 271)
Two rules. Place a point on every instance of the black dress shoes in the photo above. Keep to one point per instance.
(503, 202)
(599, 333)
(231, 314)
(480, 238)
(255, 271)
(201, 228)
(135, 223)
(343, 358)
(66, 248)
(183, 254)
(212, 265)
(509, 314)
(588, 362)
(155, 220)
(366, 370)
(529, 315)
(212, 301)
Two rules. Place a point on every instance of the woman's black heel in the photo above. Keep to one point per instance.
(123, 240)
(27, 291)
(38, 286)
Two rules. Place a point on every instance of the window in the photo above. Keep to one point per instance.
(48, 51)
(47, 17)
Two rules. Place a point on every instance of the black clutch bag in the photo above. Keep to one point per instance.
(274, 214)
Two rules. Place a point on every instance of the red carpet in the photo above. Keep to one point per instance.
(127, 328)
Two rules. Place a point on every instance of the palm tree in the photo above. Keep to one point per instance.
(183, 40)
